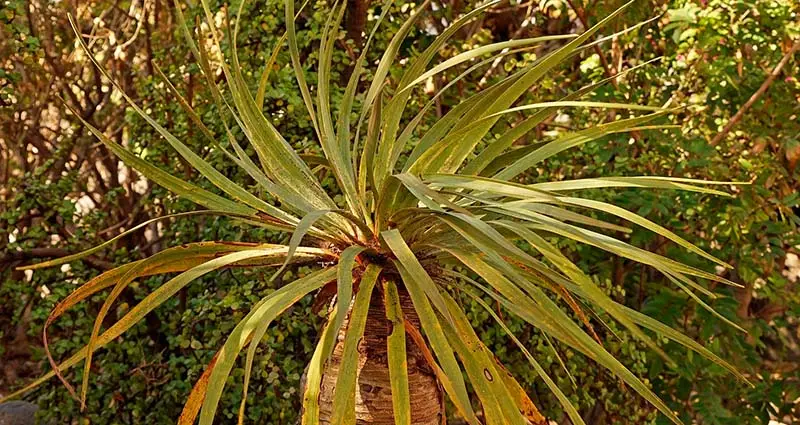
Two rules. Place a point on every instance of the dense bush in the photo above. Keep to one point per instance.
(714, 56)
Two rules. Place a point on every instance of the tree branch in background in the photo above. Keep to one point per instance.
(607, 68)
(34, 253)
(761, 90)
(356, 20)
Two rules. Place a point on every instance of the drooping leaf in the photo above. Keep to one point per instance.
(180, 187)
(498, 404)
(255, 322)
(396, 348)
(153, 300)
(344, 394)
(310, 414)
(571, 140)
(451, 376)
(409, 261)
(569, 408)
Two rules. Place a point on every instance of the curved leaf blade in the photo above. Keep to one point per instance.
(345, 392)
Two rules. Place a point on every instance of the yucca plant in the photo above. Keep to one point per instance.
(426, 216)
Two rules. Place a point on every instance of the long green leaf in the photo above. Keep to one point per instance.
(177, 259)
(482, 50)
(258, 319)
(154, 299)
(264, 79)
(139, 268)
(459, 145)
(491, 185)
(286, 195)
(569, 408)
(243, 160)
(455, 386)
(365, 165)
(344, 285)
(577, 104)
(294, 52)
(674, 271)
(263, 322)
(344, 394)
(83, 254)
(490, 159)
(389, 54)
(557, 322)
(394, 240)
(571, 140)
(316, 366)
(390, 146)
(180, 187)
(591, 290)
(599, 354)
(396, 347)
(646, 182)
(637, 219)
(430, 198)
(206, 169)
(436, 157)
(261, 93)
(442, 126)
(562, 214)
(498, 404)
(626, 250)
(336, 150)
(280, 160)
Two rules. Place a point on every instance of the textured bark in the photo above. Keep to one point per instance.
(356, 20)
(373, 388)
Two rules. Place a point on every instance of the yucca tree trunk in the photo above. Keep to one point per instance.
(373, 388)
